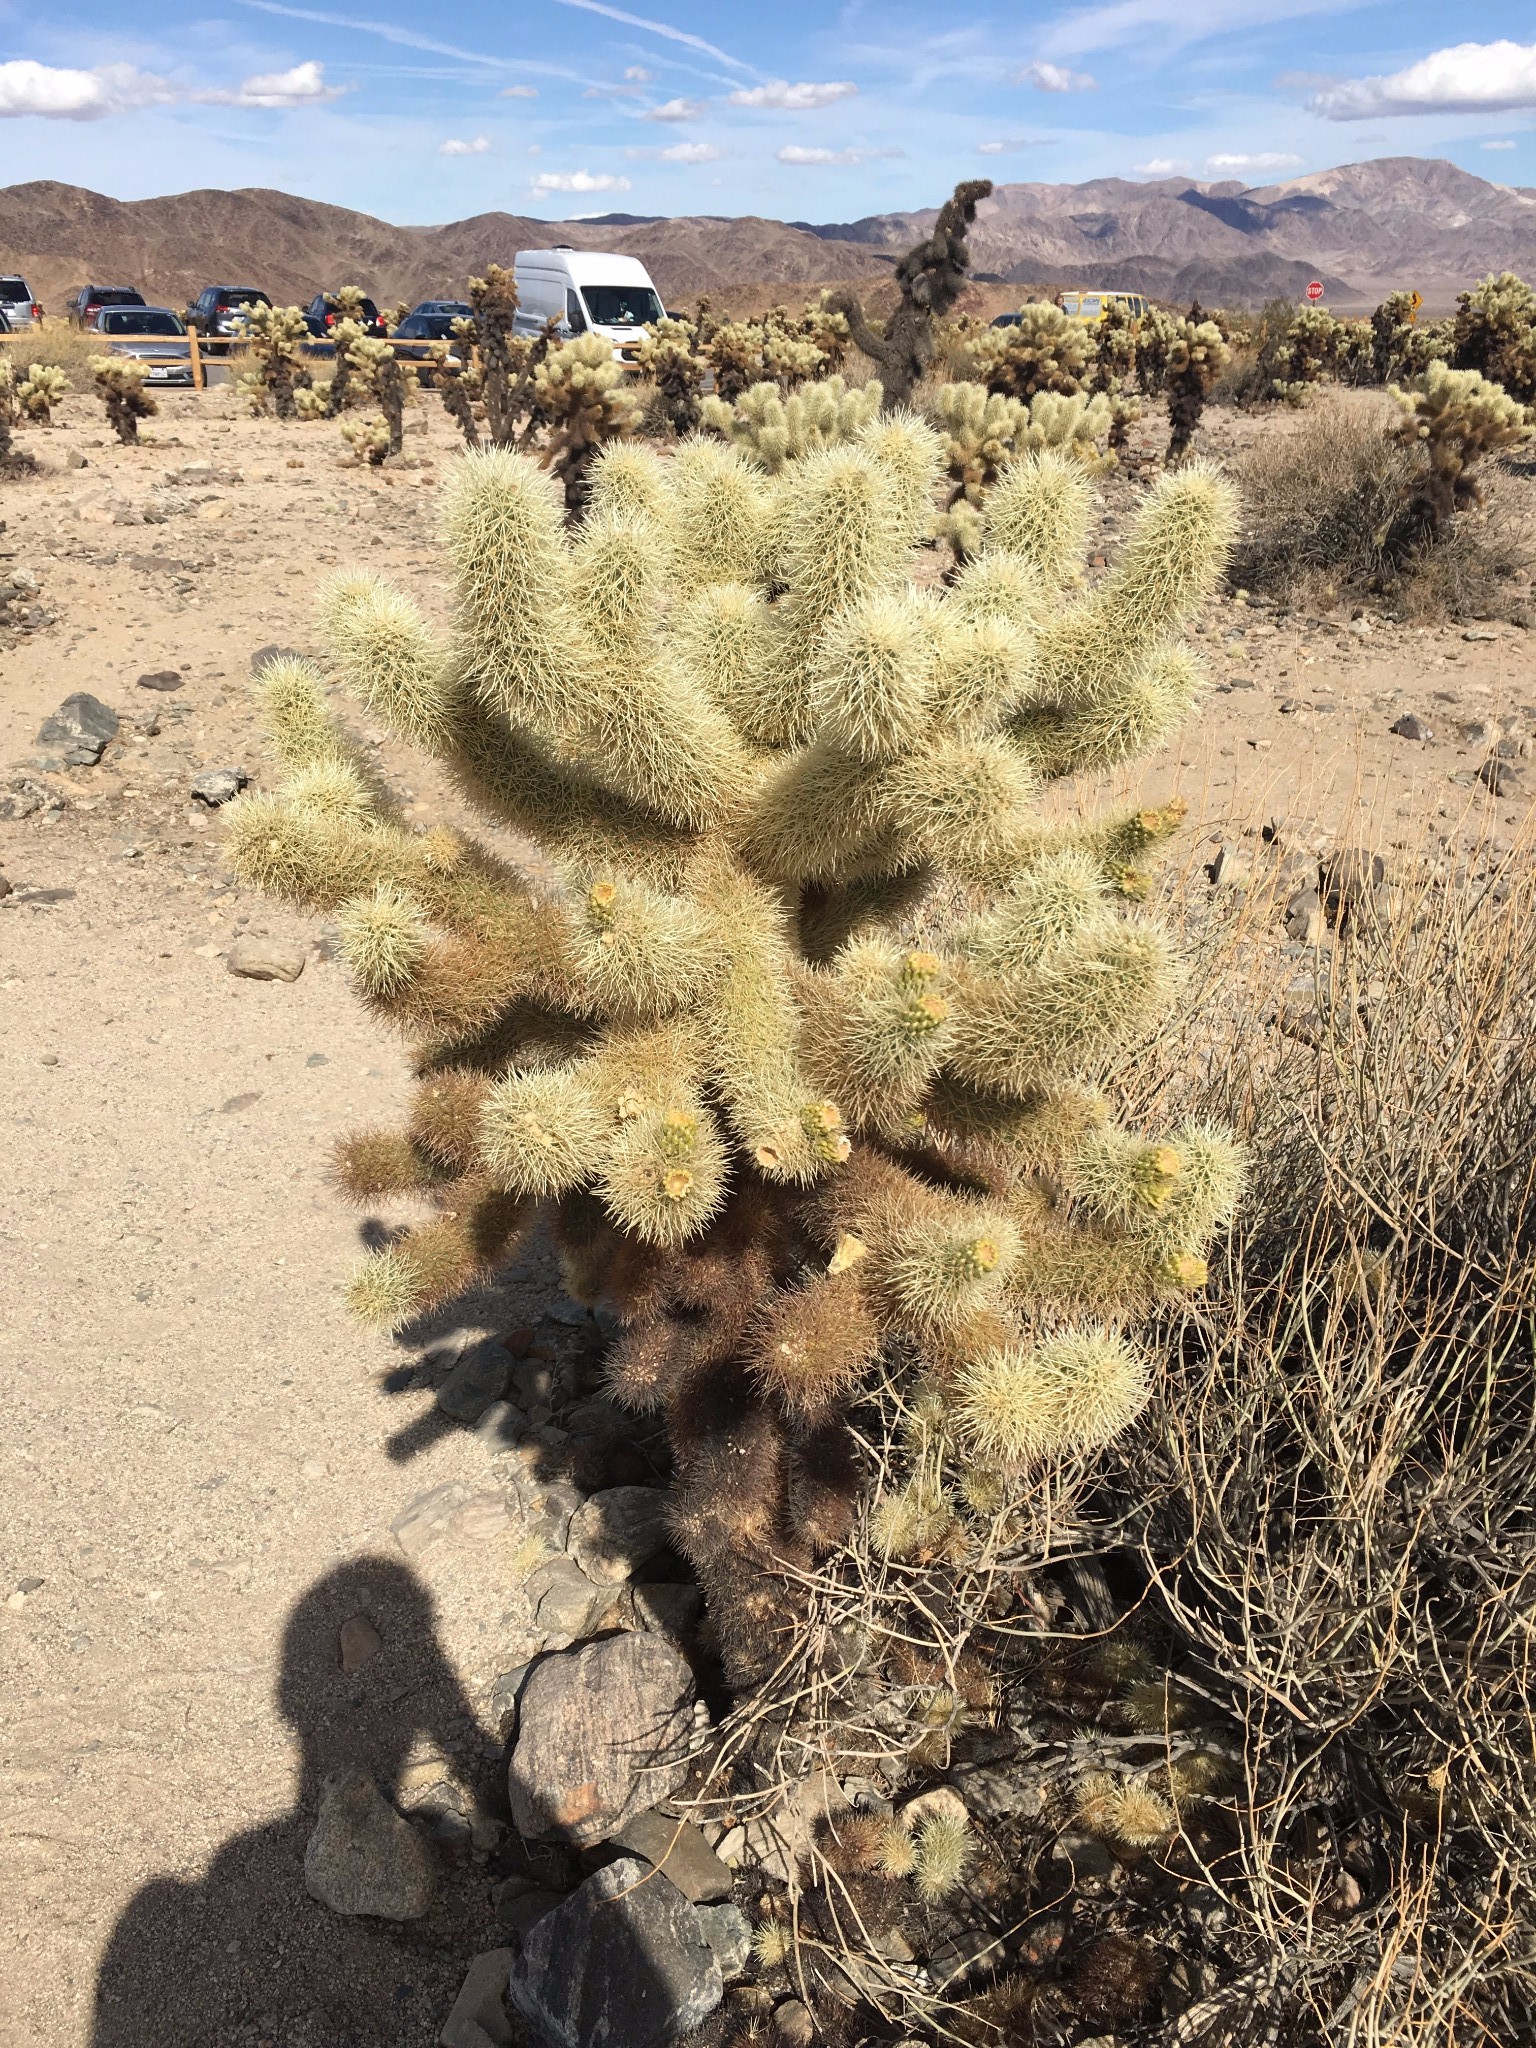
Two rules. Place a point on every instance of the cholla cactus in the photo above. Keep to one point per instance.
(1390, 323)
(312, 401)
(667, 357)
(10, 459)
(1045, 352)
(930, 278)
(734, 349)
(826, 328)
(274, 337)
(43, 387)
(586, 399)
(788, 1123)
(1455, 418)
(120, 380)
(775, 430)
(508, 361)
(790, 356)
(1495, 333)
(1310, 349)
(1114, 338)
(389, 381)
(369, 439)
(348, 329)
(1197, 356)
(984, 431)
(1154, 338)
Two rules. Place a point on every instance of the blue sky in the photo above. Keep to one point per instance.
(800, 110)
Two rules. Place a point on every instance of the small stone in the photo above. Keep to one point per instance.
(678, 1849)
(80, 731)
(1481, 732)
(6, 887)
(622, 1963)
(219, 786)
(162, 679)
(478, 1379)
(602, 1735)
(943, 1802)
(263, 655)
(506, 1692)
(1477, 633)
(1085, 1854)
(1304, 920)
(565, 1602)
(426, 1520)
(728, 1933)
(1499, 777)
(617, 1531)
(1411, 727)
(793, 2026)
(265, 960)
(479, 2012)
(360, 1641)
(1349, 875)
(363, 1858)
(1231, 869)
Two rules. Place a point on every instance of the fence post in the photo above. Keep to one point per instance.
(197, 360)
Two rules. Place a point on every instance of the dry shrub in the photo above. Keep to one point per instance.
(1339, 1482)
(55, 341)
(1327, 488)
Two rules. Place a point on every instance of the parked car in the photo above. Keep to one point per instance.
(1092, 306)
(220, 308)
(586, 292)
(432, 320)
(17, 305)
(89, 300)
(320, 315)
(154, 332)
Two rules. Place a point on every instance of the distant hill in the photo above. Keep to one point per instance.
(1364, 229)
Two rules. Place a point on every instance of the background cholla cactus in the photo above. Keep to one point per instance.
(1389, 330)
(1045, 352)
(43, 387)
(120, 380)
(274, 337)
(734, 349)
(1310, 348)
(790, 356)
(668, 358)
(369, 439)
(1114, 354)
(775, 430)
(585, 399)
(1154, 338)
(801, 1114)
(930, 277)
(508, 361)
(11, 459)
(984, 431)
(1455, 418)
(458, 380)
(387, 380)
(1197, 355)
(1495, 332)
(828, 331)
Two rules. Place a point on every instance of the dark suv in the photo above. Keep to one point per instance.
(89, 300)
(432, 320)
(320, 315)
(218, 308)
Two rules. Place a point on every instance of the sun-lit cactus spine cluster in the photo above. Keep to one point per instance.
(799, 1051)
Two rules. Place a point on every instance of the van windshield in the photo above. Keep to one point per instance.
(621, 305)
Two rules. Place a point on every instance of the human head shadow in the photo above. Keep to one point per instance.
(243, 1954)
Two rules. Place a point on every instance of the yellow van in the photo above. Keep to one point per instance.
(1092, 305)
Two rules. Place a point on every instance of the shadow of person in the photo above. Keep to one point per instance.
(244, 1955)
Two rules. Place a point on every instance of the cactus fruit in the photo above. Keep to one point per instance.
(930, 278)
(803, 1147)
(120, 380)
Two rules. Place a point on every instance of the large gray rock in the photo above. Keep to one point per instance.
(622, 1964)
(363, 1858)
(680, 1850)
(602, 1735)
(79, 732)
(617, 1531)
(564, 1600)
(728, 1934)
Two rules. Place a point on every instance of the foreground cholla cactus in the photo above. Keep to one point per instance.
(120, 380)
(585, 399)
(275, 336)
(776, 430)
(43, 387)
(799, 1055)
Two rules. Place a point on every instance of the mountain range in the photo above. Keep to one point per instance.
(1363, 229)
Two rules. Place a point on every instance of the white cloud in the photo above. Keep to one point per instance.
(57, 94)
(692, 153)
(1161, 167)
(796, 153)
(1499, 145)
(518, 92)
(637, 74)
(303, 86)
(675, 110)
(1006, 144)
(1468, 78)
(1265, 160)
(579, 181)
(1055, 78)
(778, 92)
(454, 147)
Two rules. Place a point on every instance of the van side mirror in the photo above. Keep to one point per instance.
(575, 318)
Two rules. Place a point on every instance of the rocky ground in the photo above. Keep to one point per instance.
(249, 1549)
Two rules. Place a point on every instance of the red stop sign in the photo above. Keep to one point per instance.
(1315, 290)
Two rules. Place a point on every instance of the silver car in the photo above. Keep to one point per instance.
(170, 360)
(18, 308)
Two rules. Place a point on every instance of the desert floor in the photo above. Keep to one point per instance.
(202, 1456)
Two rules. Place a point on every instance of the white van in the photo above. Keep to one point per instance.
(587, 292)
